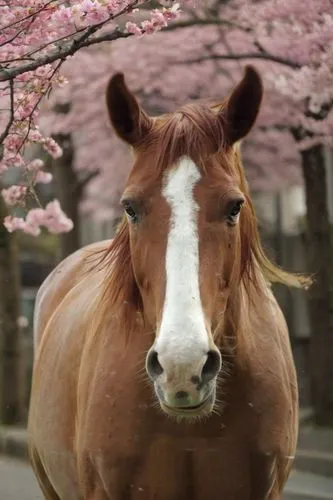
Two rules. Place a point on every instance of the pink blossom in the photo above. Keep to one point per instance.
(133, 28)
(31, 229)
(35, 165)
(36, 217)
(52, 218)
(14, 223)
(159, 19)
(13, 194)
(12, 142)
(52, 147)
(148, 27)
(35, 135)
(55, 220)
(43, 177)
(172, 13)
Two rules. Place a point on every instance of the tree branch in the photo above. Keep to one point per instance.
(236, 57)
(3, 28)
(69, 49)
(61, 52)
(81, 184)
(214, 21)
(11, 116)
(85, 39)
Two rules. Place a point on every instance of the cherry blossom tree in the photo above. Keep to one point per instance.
(30, 61)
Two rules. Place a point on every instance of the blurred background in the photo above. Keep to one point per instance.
(288, 159)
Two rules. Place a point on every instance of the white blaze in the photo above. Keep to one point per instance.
(182, 333)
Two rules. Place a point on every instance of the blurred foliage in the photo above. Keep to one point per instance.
(45, 247)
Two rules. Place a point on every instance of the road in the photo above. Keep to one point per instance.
(17, 481)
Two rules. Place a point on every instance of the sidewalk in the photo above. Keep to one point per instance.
(13, 442)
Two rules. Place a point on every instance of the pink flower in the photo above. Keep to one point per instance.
(52, 218)
(56, 221)
(31, 229)
(52, 147)
(13, 223)
(12, 142)
(35, 165)
(172, 13)
(36, 217)
(133, 28)
(13, 194)
(149, 27)
(159, 19)
(43, 177)
(35, 135)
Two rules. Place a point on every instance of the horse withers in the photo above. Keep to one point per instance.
(163, 368)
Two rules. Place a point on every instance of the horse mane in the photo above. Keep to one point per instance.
(192, 131)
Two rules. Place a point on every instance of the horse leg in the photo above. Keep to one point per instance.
(43, 481)
(98, 494)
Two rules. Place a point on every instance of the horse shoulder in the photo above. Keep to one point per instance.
(59, 282)
(273, 395)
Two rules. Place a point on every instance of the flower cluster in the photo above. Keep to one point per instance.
(159, 19)
(14, 194)
(30, 60)
(52, 218)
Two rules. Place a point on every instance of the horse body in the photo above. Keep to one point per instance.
(134, 451)
(96, 430)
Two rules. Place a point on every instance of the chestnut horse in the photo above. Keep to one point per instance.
(179, 302)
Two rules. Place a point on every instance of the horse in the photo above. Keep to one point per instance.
(163, 368)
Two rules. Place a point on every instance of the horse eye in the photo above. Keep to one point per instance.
(131, 213)
(233, 211)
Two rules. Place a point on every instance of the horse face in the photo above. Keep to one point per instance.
(183, 201)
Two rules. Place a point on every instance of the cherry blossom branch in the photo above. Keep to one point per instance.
(17, 34)
(69, 49)
(197, 21)
(11, 116)
(32, 58)
(84, 40)
(39, 101)
(62, 52)
(32, 14)
(250, 55)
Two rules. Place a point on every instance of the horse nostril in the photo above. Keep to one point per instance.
(153, 366)
(181, 395)
(212, 366)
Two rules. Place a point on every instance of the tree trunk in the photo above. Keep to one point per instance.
(320, 261)
(11, 404)
(66, 185)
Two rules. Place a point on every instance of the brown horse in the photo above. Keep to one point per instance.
(182, 294)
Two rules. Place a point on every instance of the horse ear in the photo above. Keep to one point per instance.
(128, 119)
(243, 106)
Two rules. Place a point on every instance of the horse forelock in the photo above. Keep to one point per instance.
(193, 131)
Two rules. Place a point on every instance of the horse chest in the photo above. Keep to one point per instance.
(175, 469)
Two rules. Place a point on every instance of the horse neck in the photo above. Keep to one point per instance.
(249, 305)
